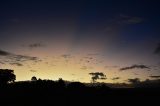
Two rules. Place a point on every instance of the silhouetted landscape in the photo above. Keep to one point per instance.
(79, 52)
(49, 92)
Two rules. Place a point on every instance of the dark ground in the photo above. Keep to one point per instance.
(57, 93)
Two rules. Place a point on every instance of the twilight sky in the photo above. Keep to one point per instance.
(68, 39)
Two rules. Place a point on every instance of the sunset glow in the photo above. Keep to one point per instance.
(69, 40)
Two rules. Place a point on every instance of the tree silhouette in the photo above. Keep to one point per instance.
(33, 78)
(97, 75)
(76, 85)
(61, 83)
(7, 76)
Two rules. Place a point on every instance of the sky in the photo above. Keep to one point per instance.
(71, 38)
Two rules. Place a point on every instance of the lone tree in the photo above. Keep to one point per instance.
(7, 76)
(33, 78)
(97, 75)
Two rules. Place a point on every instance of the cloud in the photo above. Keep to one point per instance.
(66, 56)
(157, 50)
(15, 59)
(93, 54)
(120, 21)
(73, 74)
(135, 67)
(86, 68)
(23, 58)
(4, 53)
(134, 81)
(125, 19)
(117, 24)
(34, 45)
(17, 64)
(113, 28)
(115, 78)
(33, 70)
(156, 76)
(88, 58)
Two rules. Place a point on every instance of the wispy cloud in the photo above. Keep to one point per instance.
(157, 50)
(115, 78)
(89, 58)
(33, 70)
(4, 53)
(93, 54)
(134, 81)
(135, 67)
(35, 45)
(155, 76)
(15, 59)
(126, 19)
(17, 64)
(66, 56)
(120, 21)
(86, 68)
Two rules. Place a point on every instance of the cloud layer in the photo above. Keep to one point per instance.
(135, 67)
(14, 59)
(157, 76)
(157, 50)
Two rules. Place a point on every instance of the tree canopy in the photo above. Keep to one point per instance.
(7, 76)
(97, 75)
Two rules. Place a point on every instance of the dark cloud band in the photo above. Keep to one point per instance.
(135, 67)
(14, 59)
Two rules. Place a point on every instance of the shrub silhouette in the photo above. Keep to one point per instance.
(7, 76)
(61, 83)
(33, 78)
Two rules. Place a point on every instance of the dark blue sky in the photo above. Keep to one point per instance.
(88, 15)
